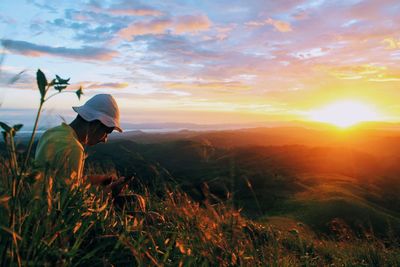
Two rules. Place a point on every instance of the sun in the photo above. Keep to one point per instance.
(345, 113)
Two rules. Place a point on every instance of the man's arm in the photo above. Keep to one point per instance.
(110, 184)
(100, 179)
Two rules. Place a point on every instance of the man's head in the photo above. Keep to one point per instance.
(97, 133)
(99, 116)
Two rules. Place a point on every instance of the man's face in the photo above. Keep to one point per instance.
(98, 133)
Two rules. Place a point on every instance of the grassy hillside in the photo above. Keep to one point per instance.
(80, 226)
(194, 203)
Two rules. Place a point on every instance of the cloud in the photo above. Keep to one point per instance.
(109, 85)
(385, 79)
(392, 43)
(135, 12)
(255, 23)
(177, 51)
(212, 85)
(34, 50)
(126, 8)
(93, 17)
(44, 6)
(157, 26)
(311, 53)
(97, 24)
(300, 15)
(88, 26)
(223, 32)
(279, 25)
(98, 34)
(367, 72)
(192, 23)
(178, 25)
(7, 20)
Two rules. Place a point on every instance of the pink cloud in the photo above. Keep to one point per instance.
(300, 15)
(223, 32)
(180, 25)
(255, 23)
(279, 25)
(210, 85)
(136, 12)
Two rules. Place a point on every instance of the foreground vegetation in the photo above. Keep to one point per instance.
(78, 225)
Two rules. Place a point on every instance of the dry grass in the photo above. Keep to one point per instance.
(77, 225)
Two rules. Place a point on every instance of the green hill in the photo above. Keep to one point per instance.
(330, 197)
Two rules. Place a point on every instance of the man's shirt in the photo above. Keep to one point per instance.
(59, 153)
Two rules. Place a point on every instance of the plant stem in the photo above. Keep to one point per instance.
(32, 136)
(13, 155)
(6, 137)
(57, 94)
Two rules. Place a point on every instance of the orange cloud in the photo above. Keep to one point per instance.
(187, 24)
(281, 26)
(107, 85)
(142, 28)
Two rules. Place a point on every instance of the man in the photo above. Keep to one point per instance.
(60, 151)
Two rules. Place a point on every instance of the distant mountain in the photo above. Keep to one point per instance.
(382, 141)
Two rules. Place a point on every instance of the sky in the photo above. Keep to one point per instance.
(206, 62)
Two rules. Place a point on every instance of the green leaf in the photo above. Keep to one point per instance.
(59, 87)
(62, 81)
(41, 82)
(5, 127)
(79, 92)
(17, 127)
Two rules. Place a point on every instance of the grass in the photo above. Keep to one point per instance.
(331, 197)
(77, 225)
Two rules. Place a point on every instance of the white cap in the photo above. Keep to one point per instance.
(101, 107)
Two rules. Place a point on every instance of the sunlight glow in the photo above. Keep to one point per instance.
(345, 113)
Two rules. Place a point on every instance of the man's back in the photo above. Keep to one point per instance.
(60, 153)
